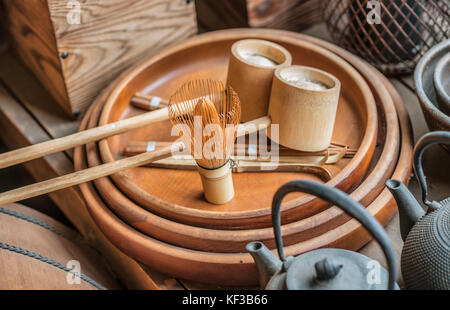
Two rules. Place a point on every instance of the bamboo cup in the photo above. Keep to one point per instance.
(217, 183)
(303, 102)
(250, 74)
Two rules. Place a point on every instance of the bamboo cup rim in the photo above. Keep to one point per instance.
(270, 50)
(311, 73)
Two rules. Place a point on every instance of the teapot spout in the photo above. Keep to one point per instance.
(266, 262)
(409, 209)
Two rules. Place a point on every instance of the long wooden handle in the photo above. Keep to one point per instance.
(83, 137)
(93, 173)
(86, 175)
(248, 166)
(138, 147)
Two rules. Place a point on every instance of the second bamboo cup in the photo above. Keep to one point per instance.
(303, 103)
(250, 73)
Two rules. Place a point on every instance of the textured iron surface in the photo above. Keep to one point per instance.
(425, 260)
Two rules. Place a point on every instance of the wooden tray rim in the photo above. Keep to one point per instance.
(365, 150)
(247, 275)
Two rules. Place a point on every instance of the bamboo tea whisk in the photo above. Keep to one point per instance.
(207, 113)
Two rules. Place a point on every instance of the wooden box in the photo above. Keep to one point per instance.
(77, 47)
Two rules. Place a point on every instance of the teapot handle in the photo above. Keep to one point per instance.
(423, 143)
(343, 201)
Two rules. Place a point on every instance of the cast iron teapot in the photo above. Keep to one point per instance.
(326, 269)
(425, 260)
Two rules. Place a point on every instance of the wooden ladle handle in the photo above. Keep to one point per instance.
(86, 175)
(93, 173)
(80, 138)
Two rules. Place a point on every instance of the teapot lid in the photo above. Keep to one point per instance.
(335, 269)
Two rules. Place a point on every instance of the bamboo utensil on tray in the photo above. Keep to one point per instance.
(148, 102)
(247, 158)
(216, 115)
(137, 147)
(92, 135)
(83, 137)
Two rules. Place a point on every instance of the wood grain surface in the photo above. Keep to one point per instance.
(177, 194)
(214, 240)
(25, 126)
(206, 266)
(29, 29)
(110, 36)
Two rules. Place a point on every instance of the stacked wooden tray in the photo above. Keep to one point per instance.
(159, 217)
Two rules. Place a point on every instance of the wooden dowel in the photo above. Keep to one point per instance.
(86, 175)
(83, 137)
(137, 147)
(247, 166)
(96, 172)
(91, 135)
(148, 102)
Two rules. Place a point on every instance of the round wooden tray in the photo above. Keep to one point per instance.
(178, 195)
(213, 240)
(238, 269)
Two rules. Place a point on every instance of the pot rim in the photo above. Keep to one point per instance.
(421, 67)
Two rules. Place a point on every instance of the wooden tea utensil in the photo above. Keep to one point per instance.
(138, 147)
(93, 173)
(148, 102)
(211, 132)
(107, 169)
(83, 137)
(103, 170)
(98, 133)
(247, 165)
(86, 175)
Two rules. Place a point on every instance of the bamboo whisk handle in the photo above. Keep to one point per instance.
(83, 137)
(86, 175)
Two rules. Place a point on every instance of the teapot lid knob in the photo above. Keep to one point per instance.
(327, 269)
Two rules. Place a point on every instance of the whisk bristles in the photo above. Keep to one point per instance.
(211, 112)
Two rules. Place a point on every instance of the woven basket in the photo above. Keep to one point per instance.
(392, 38)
